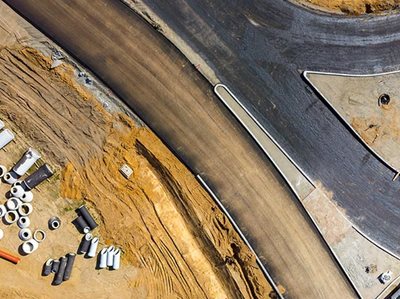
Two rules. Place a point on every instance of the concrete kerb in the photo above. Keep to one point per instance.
(220, 85)
(221, 206)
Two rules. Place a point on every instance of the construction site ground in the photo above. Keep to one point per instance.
(353, 7)
(176, 243)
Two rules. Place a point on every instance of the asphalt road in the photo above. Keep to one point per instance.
(262, 65)
(165, 90)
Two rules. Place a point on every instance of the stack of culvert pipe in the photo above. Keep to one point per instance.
(85, 222)
(62, 268)
(109, 257)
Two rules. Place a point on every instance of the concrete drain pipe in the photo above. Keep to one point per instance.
(26, 162)
(93, 247)
(6, 136)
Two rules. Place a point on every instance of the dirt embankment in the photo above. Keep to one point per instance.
(170, 230)
(353, 7)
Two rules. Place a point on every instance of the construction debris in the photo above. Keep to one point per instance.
(126, 171)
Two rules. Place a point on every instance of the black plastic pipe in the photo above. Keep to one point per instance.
(41, 174)
(88, 218)
(82, 224)
(70, 264)
(58, 278)
(55, 266)
(85, 244)
(47, 267)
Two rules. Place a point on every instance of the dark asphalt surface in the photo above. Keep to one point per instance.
(262, 65)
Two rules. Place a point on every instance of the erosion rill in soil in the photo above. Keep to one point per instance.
(167, 225)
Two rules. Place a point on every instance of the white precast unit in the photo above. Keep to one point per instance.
(103, 258)
(3, 171)
(27, 197)
(6, 136)
(29, 246)
(17, 191)
(26, 162)
(110, 256)
(93, 247)
(117, 259)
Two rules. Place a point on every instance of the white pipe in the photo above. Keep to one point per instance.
(110, 256)
(30, 246)
(26, 162)
(3, 171)
(13, 203)
(11, 217)
(6, 136)
(25, 209)
(27, 197)
(25, 234)
(17, 191)
(3, 210)
(1, 124)
(117, 259)
(23, 222)
(93, 247)
(103, 258)
(17, 183)
(9, 178)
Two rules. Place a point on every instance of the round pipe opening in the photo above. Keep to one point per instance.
(384, 99)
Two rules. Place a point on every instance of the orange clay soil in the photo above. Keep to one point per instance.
(176, 243)
(353, 7)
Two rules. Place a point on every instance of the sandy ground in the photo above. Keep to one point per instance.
(134, 58)
(353, 7)
(175, 241)
(357, 102)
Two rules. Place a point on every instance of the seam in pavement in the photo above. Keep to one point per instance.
(221, 206)
(305, 75)
(341, 266)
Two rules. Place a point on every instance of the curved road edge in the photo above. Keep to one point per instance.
(259, 262)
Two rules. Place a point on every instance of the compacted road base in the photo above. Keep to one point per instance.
(161, 86)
